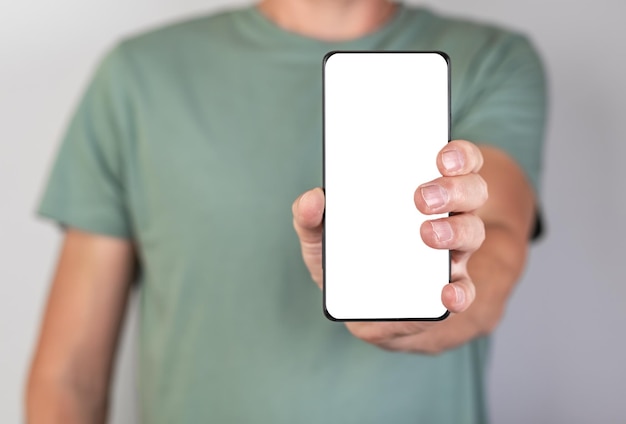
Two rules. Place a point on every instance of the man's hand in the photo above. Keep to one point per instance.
(460, 190)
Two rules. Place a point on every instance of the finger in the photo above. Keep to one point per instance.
(463, 193)
(382, 334)
(459, 157)
(308, 213)
(464, 232)
(458, 295)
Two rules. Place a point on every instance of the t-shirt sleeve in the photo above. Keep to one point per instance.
(85, 189)
(506, 104)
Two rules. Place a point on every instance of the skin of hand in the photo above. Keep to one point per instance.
(462, 191)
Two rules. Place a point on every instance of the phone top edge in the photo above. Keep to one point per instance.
(329, 55)
(444, 55)
(437, 52)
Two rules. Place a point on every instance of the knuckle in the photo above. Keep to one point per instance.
(481, 230)
(469, 231)
(478, 231)
(459, 228)
(467, 190)
(475, 154)
(484, 189)
(456, 189)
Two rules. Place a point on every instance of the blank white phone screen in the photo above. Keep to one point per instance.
(386, 116)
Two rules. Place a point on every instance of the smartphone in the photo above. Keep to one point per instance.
(386, 116)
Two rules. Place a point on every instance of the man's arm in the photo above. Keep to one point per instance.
(488, 239)
(71, 370)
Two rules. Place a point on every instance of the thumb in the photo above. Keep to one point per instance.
(308, 214)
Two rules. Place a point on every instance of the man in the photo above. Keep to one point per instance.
(179, 170)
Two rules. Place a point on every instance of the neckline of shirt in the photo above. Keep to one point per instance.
(262, 28)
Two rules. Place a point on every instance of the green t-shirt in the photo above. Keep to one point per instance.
(193, 140)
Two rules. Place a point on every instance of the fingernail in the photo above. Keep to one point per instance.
(460, 294)
(452, 160)
(434, 195)
(442, 229)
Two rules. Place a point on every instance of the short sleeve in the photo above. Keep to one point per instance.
(85, 189)
(506, 104)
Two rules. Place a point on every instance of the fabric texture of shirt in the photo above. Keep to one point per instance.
(193, 140)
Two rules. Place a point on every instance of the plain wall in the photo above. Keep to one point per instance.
(558, 356)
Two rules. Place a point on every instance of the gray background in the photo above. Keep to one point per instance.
(558, 356)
